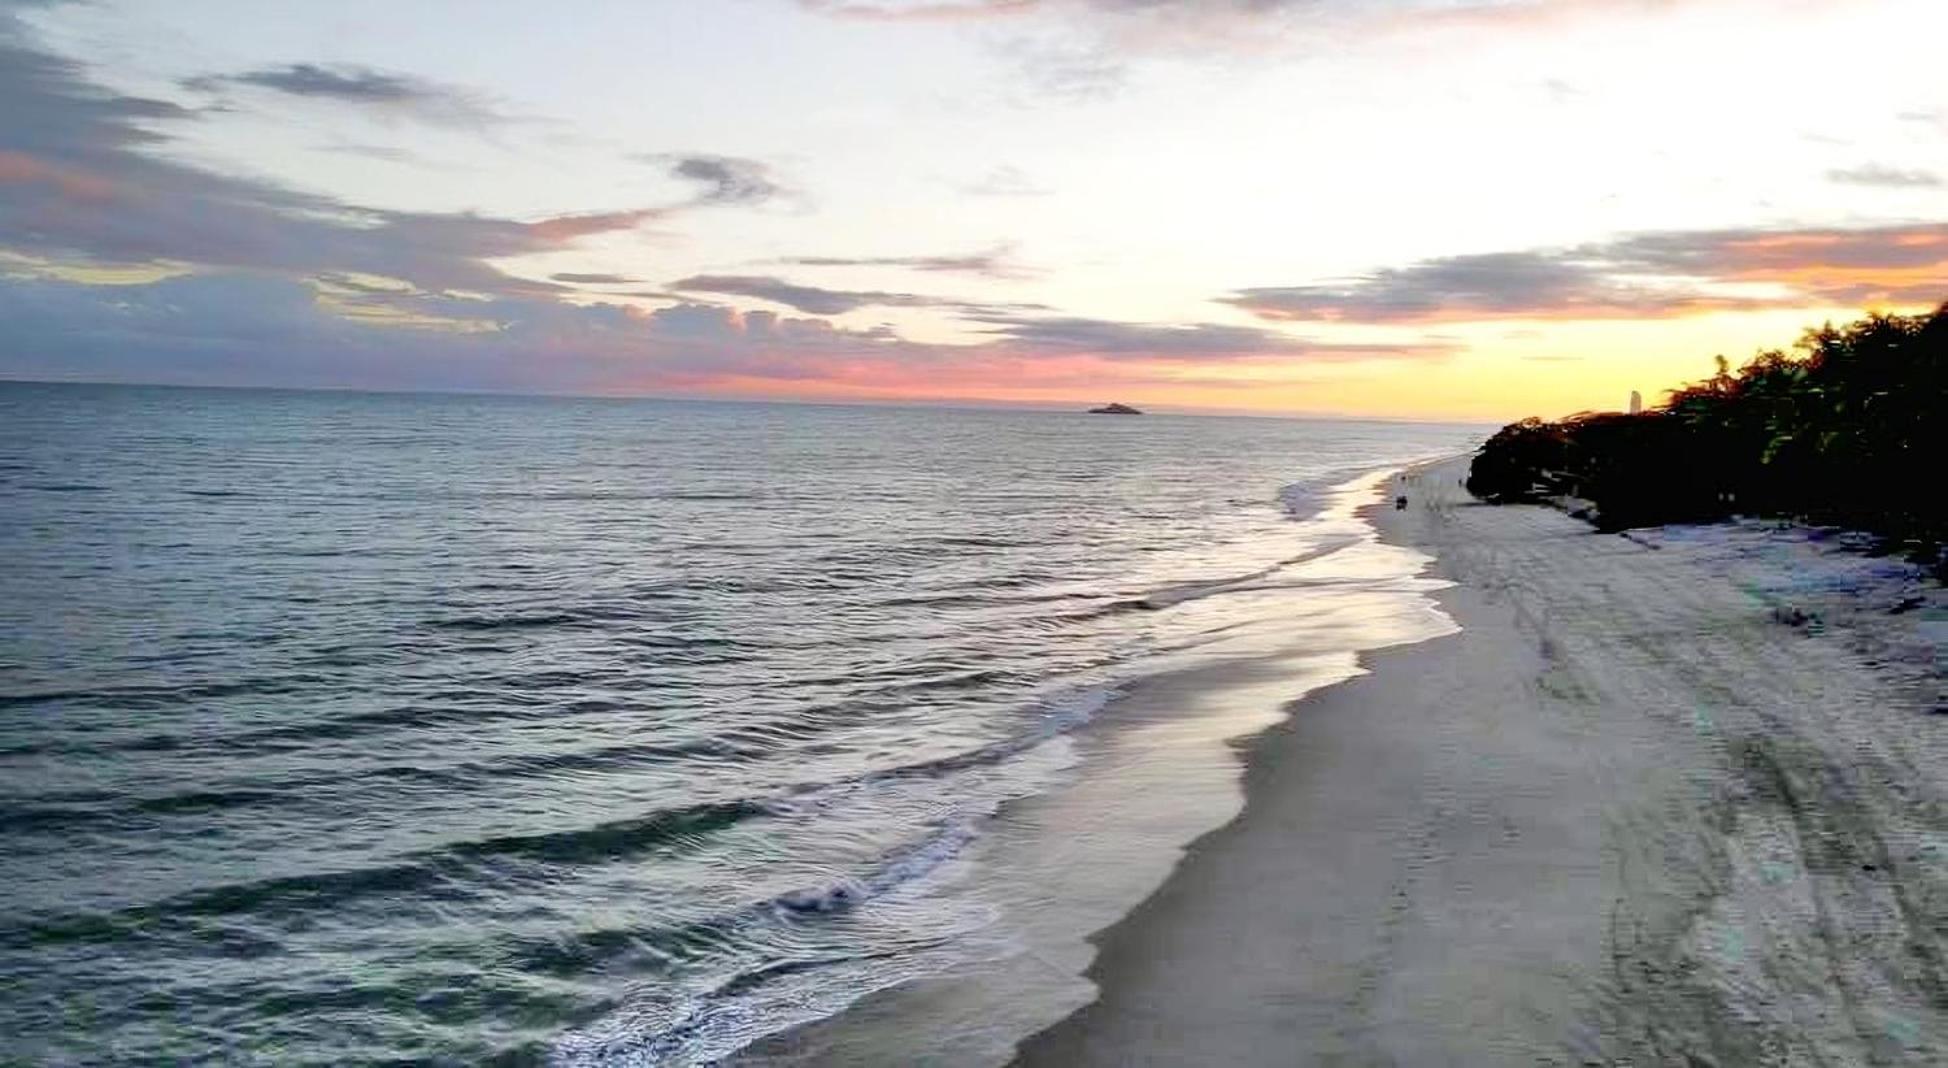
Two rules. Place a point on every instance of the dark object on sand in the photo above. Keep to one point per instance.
(1794, 616)
(1114, 409)
(1400, 503)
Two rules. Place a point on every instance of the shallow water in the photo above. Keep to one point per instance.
(343, 728)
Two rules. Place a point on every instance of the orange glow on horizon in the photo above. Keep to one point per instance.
(1498, 373)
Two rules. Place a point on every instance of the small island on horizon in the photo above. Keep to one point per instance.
(1114, 409)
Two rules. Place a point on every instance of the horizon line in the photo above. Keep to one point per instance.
(948, 404)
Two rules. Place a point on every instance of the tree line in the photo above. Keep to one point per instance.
(1849, 427)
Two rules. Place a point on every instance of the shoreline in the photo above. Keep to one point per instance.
(1635, 809)
(1156, 769)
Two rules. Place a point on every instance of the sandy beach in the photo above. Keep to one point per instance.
(1672, 797)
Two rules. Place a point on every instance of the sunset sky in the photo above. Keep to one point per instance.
(1475, 209)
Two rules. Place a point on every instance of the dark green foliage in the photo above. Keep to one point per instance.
(1520, 463)
(1851, 428)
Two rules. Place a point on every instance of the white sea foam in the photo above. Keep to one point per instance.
(1113, 778)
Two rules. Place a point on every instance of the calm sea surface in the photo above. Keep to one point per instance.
(346, 729)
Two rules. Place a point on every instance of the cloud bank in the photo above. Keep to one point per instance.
(119, 263)
(1655, 275)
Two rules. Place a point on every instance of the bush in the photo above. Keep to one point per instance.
(1518, 463)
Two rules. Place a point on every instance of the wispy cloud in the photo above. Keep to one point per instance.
(359, 84)
(954, 10)
(1069, 71)
(1655, 275)
(1115, 340)
(723, 179)
(816, 300)
(1086, 50)
(922, 10)
(1235, 19)
(383, 92)
(589, 278)
(997, 262)
(804, 298)
(1005, 181)
(383, 153)
(1875, 174)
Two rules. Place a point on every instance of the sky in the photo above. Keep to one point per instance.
(1454, 209)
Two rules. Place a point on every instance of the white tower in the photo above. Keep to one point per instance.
(1636, 402)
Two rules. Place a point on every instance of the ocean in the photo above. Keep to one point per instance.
(349, 729)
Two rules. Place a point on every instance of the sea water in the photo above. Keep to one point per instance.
(351, 729)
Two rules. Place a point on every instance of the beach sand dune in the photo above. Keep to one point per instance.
(1665, 799)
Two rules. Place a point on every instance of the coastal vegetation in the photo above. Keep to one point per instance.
(1850, 427)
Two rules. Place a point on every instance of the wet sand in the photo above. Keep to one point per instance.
(1676, 797)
